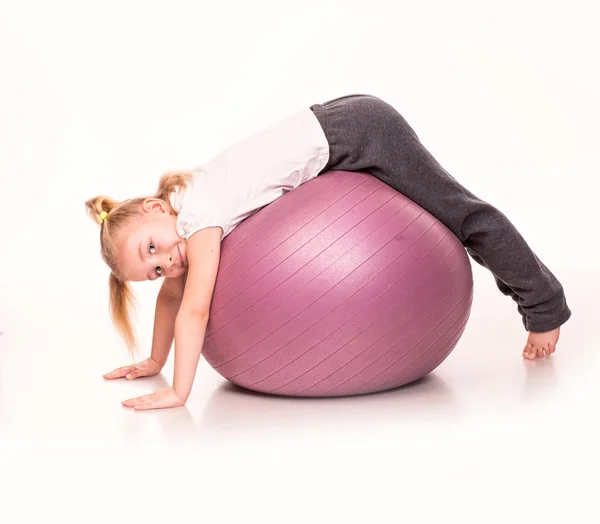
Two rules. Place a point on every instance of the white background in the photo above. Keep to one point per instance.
(103, 97)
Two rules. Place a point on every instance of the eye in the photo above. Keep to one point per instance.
(158, 269)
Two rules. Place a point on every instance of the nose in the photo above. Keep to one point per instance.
(172, 259)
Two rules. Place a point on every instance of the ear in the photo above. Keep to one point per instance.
(153, 205)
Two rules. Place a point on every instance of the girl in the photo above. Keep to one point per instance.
(177, 233)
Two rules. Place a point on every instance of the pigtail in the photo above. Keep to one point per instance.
(95, 206)
(172, 181)
(121, 303)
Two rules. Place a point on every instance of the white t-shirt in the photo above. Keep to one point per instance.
(252, 173)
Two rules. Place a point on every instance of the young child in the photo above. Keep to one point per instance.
(177, 233)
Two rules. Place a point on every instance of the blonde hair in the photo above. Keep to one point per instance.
(118, 216)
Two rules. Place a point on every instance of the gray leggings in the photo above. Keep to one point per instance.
(367, 134)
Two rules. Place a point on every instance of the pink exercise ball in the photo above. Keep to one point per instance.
(342, 286)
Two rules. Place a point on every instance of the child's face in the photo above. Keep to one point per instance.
(151, 247)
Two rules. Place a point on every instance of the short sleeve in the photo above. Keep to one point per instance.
(198, 207)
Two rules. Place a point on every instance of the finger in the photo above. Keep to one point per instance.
(137, 400)
(541, 351)
(149, 402)
(147, 405)
(154, 403)
(119, 372)
(135, 374)
(165, 398)
(527, 351)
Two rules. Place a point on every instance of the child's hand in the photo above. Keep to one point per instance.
(540, 345)
(145, 368)
(163, 398)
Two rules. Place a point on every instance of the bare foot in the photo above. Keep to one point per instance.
(541, 344)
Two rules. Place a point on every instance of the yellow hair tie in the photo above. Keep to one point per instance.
(103, 215)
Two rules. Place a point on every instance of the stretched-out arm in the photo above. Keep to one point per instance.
(203, 254)
(167, 306)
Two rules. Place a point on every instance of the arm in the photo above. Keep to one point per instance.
(167, 305)
(203, 253)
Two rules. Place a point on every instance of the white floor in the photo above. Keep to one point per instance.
(102, 98)
(485, 422)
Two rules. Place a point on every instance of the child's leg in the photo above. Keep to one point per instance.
(367, 134)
